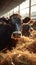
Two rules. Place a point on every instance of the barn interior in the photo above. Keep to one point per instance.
(17, 32)
(7, 5)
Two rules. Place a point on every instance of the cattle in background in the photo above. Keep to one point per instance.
(26, 27)
(34, 25)
(26, 20)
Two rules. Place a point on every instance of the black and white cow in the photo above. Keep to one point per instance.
(6, 30)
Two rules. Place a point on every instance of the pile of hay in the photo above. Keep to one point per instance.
(32, 47)
(21, 54)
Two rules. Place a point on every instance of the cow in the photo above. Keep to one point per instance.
(34, 25)
(26, 27)
(6, 30)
